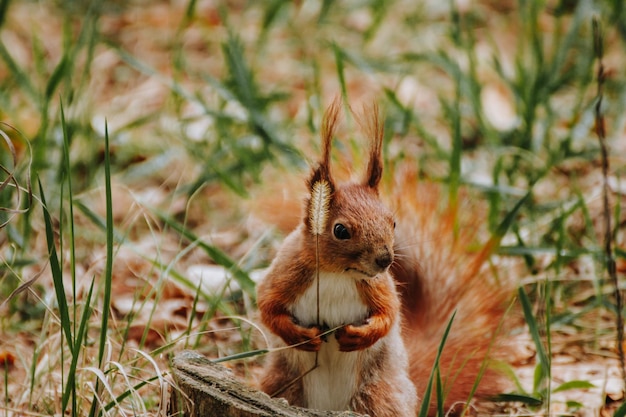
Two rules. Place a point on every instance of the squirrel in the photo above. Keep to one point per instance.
(358, 297)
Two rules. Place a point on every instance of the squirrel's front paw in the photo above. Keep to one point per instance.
(351, 337)
(304, 338)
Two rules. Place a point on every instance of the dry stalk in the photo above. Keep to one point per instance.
(608, 235)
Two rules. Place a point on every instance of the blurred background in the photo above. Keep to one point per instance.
(138, 138)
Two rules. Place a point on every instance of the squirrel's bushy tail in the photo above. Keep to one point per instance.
(439, 274)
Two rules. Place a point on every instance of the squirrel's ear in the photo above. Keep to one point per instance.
(321, 185)
(370, 122)
(329, 127)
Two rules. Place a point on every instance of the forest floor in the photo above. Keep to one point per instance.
(154, 130)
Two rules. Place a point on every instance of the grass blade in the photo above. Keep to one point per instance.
(533, 327)
(440, 395)
(457, 150)
(109, 247)
(117, 400)
(57, 273)
(221, 258)
(4, 5)
(242, 355)
(68, 178)
(435, 371)
(97, 220)
(519, 398)
(108, 272)
(576, 384)
(20, 76)
(70, 387)
(57, 76)
(339, 59)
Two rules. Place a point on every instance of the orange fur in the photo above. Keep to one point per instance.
(437, 276)
(274, 297)
(380, 296)
(431, 277)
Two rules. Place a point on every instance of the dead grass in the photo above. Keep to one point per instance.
(207, 103)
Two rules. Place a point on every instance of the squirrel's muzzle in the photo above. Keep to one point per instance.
(384, 259)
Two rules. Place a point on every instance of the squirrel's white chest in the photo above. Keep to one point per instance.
(339, 302)
(334, 382)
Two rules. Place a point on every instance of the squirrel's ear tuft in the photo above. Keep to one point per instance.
(372, 125)
(321, 185)
(321, 173)
(328, 129)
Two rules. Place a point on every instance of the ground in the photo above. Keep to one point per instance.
(197, 112)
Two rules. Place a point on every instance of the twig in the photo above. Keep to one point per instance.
(608, 236)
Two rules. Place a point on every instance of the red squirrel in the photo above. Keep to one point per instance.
(360, 302)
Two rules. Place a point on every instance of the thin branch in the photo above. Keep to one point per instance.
(608, 236)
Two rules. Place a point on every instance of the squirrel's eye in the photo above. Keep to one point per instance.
(341, 232)
(394, 225)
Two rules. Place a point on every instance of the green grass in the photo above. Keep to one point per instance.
(204, 105)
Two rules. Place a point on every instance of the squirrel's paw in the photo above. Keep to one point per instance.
(304, 338)
(351, 337)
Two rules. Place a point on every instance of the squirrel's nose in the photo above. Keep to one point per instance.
(384, 260)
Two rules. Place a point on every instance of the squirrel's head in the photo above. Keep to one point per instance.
(348, 223)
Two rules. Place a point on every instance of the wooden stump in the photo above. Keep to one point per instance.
(207, 389)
